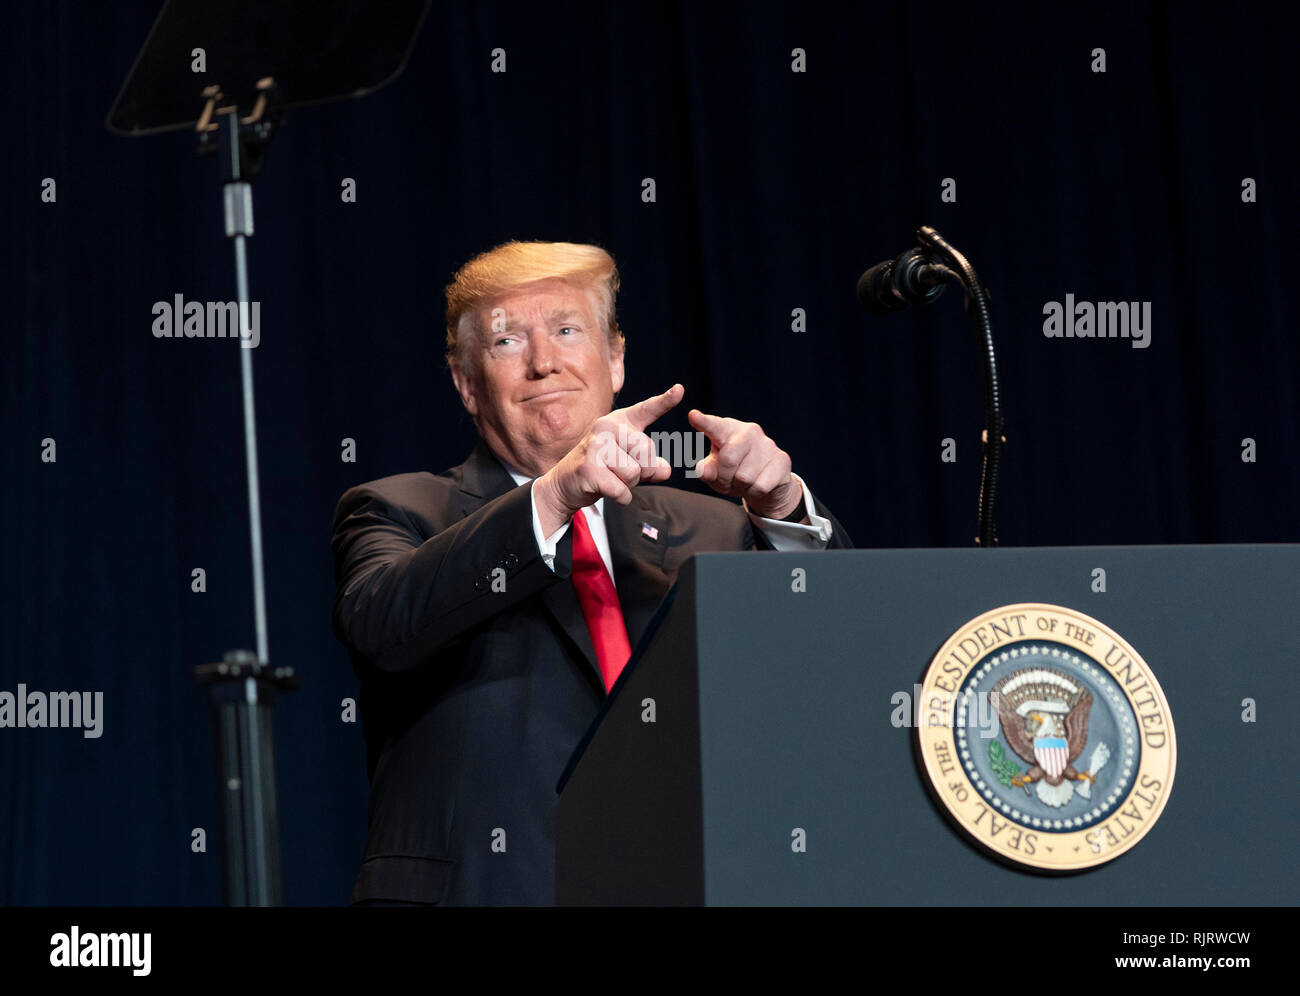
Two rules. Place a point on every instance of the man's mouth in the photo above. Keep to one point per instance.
(551, 394)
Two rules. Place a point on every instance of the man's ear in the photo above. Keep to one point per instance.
(464, 387)
(616, 367)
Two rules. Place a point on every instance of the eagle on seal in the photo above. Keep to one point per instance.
(1044, 716)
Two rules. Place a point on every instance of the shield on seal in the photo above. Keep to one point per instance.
(1052, 754)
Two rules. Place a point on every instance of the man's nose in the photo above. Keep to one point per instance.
(542, 357)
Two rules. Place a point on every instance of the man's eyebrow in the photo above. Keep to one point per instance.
(564, 314)
(559, 315)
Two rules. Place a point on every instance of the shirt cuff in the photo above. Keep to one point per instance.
(545, 544)
(793, 537)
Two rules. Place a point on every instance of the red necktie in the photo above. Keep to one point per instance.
(599, 603)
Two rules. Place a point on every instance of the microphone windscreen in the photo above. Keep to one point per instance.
(876, 290)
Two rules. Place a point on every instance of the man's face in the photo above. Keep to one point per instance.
(542, 372)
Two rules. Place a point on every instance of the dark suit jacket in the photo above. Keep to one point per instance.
(473, 699)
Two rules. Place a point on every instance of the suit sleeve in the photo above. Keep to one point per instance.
(401, 597)
(840, 539)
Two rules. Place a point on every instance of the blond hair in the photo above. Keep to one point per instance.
(512, 265)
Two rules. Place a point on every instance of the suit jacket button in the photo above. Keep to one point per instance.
(510, 561)
(481, 583)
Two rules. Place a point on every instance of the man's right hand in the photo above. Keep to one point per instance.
(613, 457)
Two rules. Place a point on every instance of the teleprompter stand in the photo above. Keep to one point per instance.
(230, 71)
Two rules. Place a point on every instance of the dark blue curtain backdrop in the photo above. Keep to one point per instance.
(775, 189)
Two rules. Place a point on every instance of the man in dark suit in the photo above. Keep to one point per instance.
(488, 609)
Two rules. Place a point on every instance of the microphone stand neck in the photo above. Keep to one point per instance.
(977, 307)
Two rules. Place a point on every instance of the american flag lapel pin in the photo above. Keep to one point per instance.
(650, 532)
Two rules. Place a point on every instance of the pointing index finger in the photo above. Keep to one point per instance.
(644, 412)
(712, 426)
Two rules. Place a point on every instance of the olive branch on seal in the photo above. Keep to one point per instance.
(1005, 768)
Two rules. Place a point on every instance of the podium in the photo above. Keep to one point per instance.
(761, 709)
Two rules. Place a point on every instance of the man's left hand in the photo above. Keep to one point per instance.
(744, 463)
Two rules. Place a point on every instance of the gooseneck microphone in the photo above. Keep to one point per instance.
(918, 277)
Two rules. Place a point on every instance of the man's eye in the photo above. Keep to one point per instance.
(568, 328)
(503, 340)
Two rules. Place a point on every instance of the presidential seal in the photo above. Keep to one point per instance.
(1046, 737)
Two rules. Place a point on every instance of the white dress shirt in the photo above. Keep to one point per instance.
(787, 537)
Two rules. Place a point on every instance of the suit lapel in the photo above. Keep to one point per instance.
(561, 601)
(482, 478)
(638, 560)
